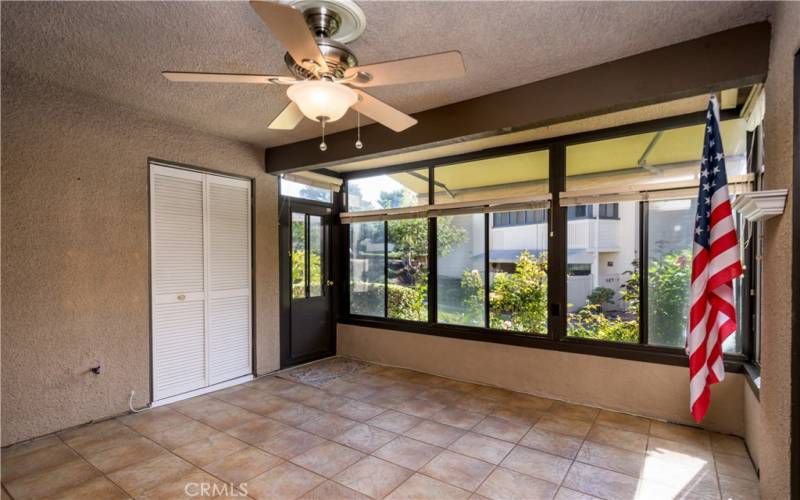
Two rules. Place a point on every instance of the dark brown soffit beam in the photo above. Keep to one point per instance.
(731, 58)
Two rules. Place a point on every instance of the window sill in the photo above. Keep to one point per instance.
(753, 375)
(634, 352)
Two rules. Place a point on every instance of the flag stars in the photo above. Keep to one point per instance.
(708, 201)
(706, 187)
(698, 231)
(704, 172)
(716, 170)
(719, 156)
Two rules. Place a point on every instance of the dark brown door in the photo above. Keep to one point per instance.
(306, 286)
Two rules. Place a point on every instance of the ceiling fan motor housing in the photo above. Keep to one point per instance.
(337, 55)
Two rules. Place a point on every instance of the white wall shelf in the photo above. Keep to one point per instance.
(761, 205)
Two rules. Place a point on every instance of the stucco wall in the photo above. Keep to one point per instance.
(646, 389)
(769, 429)
(75, 251)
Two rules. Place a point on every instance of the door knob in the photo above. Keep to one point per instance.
(330, 283)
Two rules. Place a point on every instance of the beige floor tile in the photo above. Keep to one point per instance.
(568, 494)
(326, 402)
(528, 402)
(350, 390)
(257, 401)
(563, 425)
(285, 482)
(458, 385)
(477, 404)
(358, 410)
(501, 428)
(441, 395)
(419, 487)
(537, 464)
(365, 437)
(623, 421)
(735, 466)
(97, 437)
(300, 393)
(209, 449)
(724, 443)
(328, 459)
(407, 452)
(690, 477)
(272, 384)
(523, 416)
(421, 408)
(196, 484)
(373, 477)
(482, 447)
(665, 449)
(201, 405)
(435, 433)
(601, 483)
(551, 442)
(20, 449)
(124, 453)
(96, 488)
(190, 432)
(52, 481)
(458, 470)
(143, 476)
(506, 484)
(610, 436)
(155, 420)
(573, 411)
(738, 489)
(257, 431)
(239, 466)
(680, 433)
(384, 400)
(330, 490)
(457, 417)
(495, 393)
(228, 418)
(290, 443)
(37, 460)
(295, 413)
(612, 458)
(327, 425)
(394, 421)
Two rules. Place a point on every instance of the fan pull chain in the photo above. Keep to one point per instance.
(322, 145)
(359, 144)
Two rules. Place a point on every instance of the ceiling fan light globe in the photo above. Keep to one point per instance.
(320, 98)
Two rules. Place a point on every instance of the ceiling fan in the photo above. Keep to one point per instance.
(327, 80)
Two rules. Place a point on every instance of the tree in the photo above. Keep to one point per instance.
(518, 300)
(313, 193)
(668, 281)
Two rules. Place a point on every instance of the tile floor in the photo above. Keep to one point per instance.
(379, 433)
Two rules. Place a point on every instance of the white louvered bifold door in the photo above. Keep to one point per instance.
(200, 257)
(229, 278)
(178, 281)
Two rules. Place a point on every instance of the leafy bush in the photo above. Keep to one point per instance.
(668, 282)
(601, 296)
(590, 322)
(518, 300)
(404, 302)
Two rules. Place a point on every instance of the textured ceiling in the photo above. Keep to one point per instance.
(116, 50)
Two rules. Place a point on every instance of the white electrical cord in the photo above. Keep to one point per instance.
(130, 404)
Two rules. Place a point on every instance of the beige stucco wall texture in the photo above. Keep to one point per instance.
(75, 249)
(768, 422)
(647, 389)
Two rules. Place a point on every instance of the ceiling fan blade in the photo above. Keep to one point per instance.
(289, 26)
(185, 76)
(442, 66)
(288, 118)
(382, 112)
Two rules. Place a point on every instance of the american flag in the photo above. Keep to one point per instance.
(715, 264)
